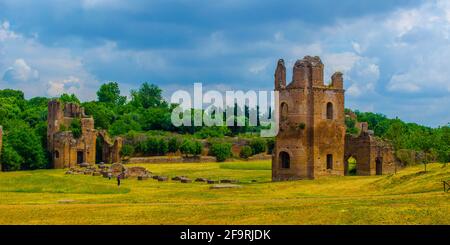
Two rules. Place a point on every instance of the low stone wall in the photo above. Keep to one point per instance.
(171, 159)
(262, 156)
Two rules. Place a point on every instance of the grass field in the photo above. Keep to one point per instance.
(51, 197)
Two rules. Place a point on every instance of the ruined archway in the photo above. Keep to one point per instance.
(378, 166)
(99, 148)
(107, 148)
(284, 160)
(350, 165)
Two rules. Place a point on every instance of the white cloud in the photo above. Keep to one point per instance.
(70, 85)
(5, 32)
(20, 71)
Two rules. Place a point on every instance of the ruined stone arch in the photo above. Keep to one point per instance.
(284, 160)
(378, 166)
(346, 163)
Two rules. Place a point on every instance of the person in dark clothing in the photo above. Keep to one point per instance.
(118, 180)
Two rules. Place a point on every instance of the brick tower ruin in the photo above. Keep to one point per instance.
(68, 151)
(311, 137)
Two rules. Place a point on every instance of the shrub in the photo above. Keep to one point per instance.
(258, 145)
(270, 145)
(406, 157)
(221, 151)
(127, 150)
(246, 152)
(212, 132)
(152, 146)
(187, 147)
(173, 144)
(197, 148)
(163, 146)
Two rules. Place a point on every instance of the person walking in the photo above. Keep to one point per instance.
(118, 181)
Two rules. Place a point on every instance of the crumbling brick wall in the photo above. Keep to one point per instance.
(373, 156)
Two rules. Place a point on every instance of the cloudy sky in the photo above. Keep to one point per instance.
(395, 55)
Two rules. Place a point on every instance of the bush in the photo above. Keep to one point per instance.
(186, 147)
(163, 146)
(270, 145)
(152, 146)
(258, 145)
(246, 152)
(212, 132)
(173, 145)
(221, 151)
(406, 157)
(189, 147)
(197, 150)
(127, 150)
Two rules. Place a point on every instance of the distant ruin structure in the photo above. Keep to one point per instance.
(312, 141)
(68, 150)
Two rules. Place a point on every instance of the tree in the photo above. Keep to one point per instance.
(148, 95)
(10, 159)
(110, 93)
(125, 124)
(66, 98)
(22, 141)
(102, 114)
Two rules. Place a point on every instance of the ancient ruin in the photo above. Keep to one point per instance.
(91, 146)
(311, 141)
(373, 156)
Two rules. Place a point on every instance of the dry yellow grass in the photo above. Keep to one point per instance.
(51, 197)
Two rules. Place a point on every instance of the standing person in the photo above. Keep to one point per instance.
(109, 175)
(118, 181)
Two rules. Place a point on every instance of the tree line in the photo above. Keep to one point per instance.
(147, 113)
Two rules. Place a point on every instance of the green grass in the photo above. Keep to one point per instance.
(251, 165)
(51, 197)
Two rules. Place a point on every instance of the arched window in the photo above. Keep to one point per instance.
(284, 111)
(329, 161)
(284, 159)
(329, 110)
(56, 154)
